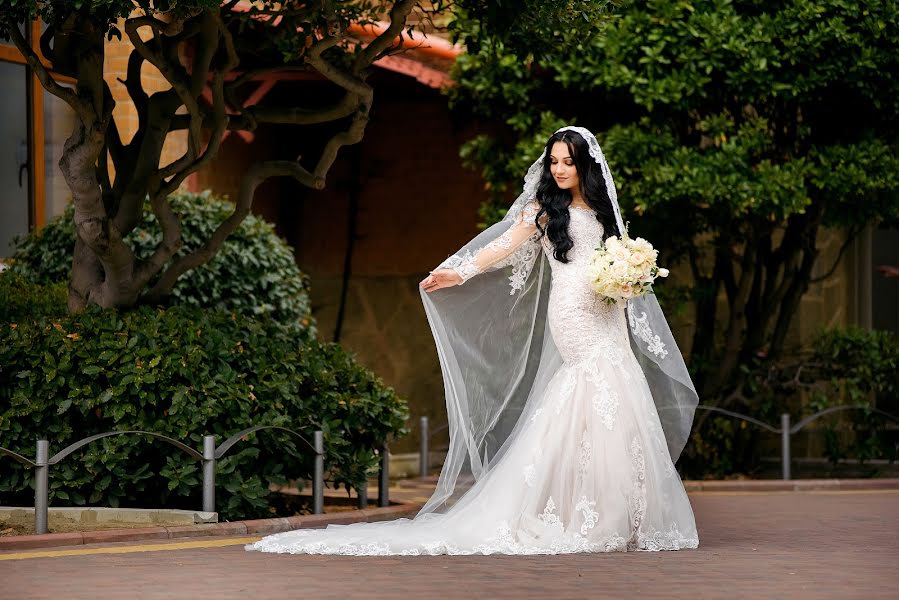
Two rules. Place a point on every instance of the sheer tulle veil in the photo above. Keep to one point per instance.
(496, 353)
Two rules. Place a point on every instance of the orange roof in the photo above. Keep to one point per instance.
(426, 58)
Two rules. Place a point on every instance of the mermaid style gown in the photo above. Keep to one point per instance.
(589, 470)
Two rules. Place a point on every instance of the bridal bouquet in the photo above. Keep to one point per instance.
(624, 268)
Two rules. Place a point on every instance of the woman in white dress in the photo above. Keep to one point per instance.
(554, 396)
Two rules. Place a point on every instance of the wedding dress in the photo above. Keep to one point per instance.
(574, 457)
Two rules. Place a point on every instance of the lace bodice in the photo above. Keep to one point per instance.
(581, 322)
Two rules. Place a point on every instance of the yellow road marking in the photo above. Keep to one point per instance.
(219, 543)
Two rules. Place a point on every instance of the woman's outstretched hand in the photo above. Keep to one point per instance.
(441, 278)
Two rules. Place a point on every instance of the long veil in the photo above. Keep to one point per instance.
(496, 352)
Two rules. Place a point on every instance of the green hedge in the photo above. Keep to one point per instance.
(850, 366)
(183, 372)
(20, 299)
(253, 273)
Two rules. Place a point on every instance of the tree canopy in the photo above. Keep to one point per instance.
(207, 51)
(735, 130)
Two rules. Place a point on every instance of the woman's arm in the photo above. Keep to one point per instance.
(492, 254)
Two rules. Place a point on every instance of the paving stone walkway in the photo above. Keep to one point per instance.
(831, 544)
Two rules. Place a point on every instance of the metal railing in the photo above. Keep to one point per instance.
(209, 459)
(212, 454)
(786, 430)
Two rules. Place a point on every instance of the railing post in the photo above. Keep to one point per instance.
(423, 465)
(384, 477)
(41, 488)
(785, 444)
(318, 479)
(209, 473)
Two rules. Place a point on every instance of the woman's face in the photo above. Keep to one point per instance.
(562, 167)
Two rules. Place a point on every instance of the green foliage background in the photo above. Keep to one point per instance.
(254, 272)
(235, 348)
(183, 372)
(849, 366)
(736, 130)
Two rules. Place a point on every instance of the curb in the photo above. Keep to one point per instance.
(277, 525)
(235, 528)
(792, 485)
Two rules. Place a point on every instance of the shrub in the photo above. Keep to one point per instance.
(253, 273)
(849, 366)
(183, 372)
(859, 361)
(857, 367)
(21, 299)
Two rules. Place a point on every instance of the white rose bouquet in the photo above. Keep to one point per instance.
(624, 268)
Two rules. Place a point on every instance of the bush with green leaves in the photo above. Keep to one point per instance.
(254, 273)
(183, 372)
(851, 366)
(736, 131)
(21, 299)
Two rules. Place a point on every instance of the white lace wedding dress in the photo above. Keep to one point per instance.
(589, 471)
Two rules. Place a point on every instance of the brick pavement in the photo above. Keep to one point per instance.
(837, 544)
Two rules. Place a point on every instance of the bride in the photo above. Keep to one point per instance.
(566, 413)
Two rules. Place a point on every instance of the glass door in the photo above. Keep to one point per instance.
(59, 122)
(14, 163)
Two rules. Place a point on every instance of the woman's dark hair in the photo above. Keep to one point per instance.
(555, 201)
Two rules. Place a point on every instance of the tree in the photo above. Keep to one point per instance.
(737, 129)
(200, 47)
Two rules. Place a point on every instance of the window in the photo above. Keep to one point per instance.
(14, 209)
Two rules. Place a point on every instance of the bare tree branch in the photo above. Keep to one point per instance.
(210, 33)
(353, 135)
(220, 118)
(301, 116)
(67, 95)
(736, 320)
(134, 88)
(850, 237)
(103, 171)
(398, 15)
(219, 115)
(205, 49)
(180, 169)
(171, 70)
(332, 73)
(254, 177)
(46, 48)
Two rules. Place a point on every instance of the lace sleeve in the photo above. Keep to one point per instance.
(501, 251)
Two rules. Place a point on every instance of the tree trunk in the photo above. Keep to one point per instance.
(734, 336)
(105, 277)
